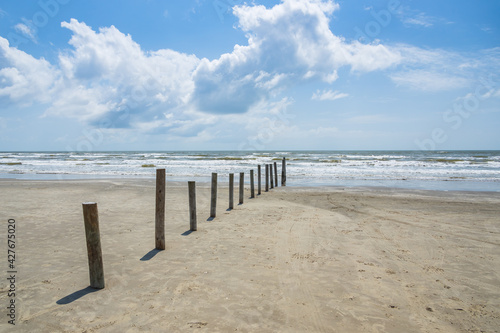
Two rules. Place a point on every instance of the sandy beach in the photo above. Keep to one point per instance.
(319, 259)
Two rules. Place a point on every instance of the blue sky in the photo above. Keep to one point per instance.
(229, 75)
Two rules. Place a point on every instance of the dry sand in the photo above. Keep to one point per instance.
(291, 260)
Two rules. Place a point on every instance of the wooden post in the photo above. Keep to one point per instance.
(271, 175)
(91, 220)
(213, 201)
(231, 190)
(275, 174)
(258, 179)
(160, 210)
(267, 177)
(283, 172)
(252, 187)
(192, 206)
(242, 180)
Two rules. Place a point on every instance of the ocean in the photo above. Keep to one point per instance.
(427, 170)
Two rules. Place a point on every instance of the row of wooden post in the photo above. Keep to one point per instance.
(91, 216)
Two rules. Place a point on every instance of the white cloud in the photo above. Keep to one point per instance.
(86, 104)
(323, 132)
(25, 80)
(106, 78)
(328, 95)
(429, 81)
(287, 43)
(415, 18)
(415, 56)
(489, 92)
(421, 20)
(486, 29)
(440, 70)
(107, 68)
(27, 31)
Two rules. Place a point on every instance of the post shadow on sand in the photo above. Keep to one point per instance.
(150, 255)
(210, 219)
(76, 295)
(187, 233)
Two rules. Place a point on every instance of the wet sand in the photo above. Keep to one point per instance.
(291, 260)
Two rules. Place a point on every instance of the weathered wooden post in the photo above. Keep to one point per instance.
(91, 221)
(267, 177)
(258, 179)
(242, 180)
(283, 172)
(271, 175)
(252, 187)
(192, 206)
(231, 190)
(160, 210)
(275, 174)
(213, 201)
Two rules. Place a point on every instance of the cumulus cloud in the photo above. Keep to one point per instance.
(24, 79)
(108, 69)
(106, 79)
(287, 43)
